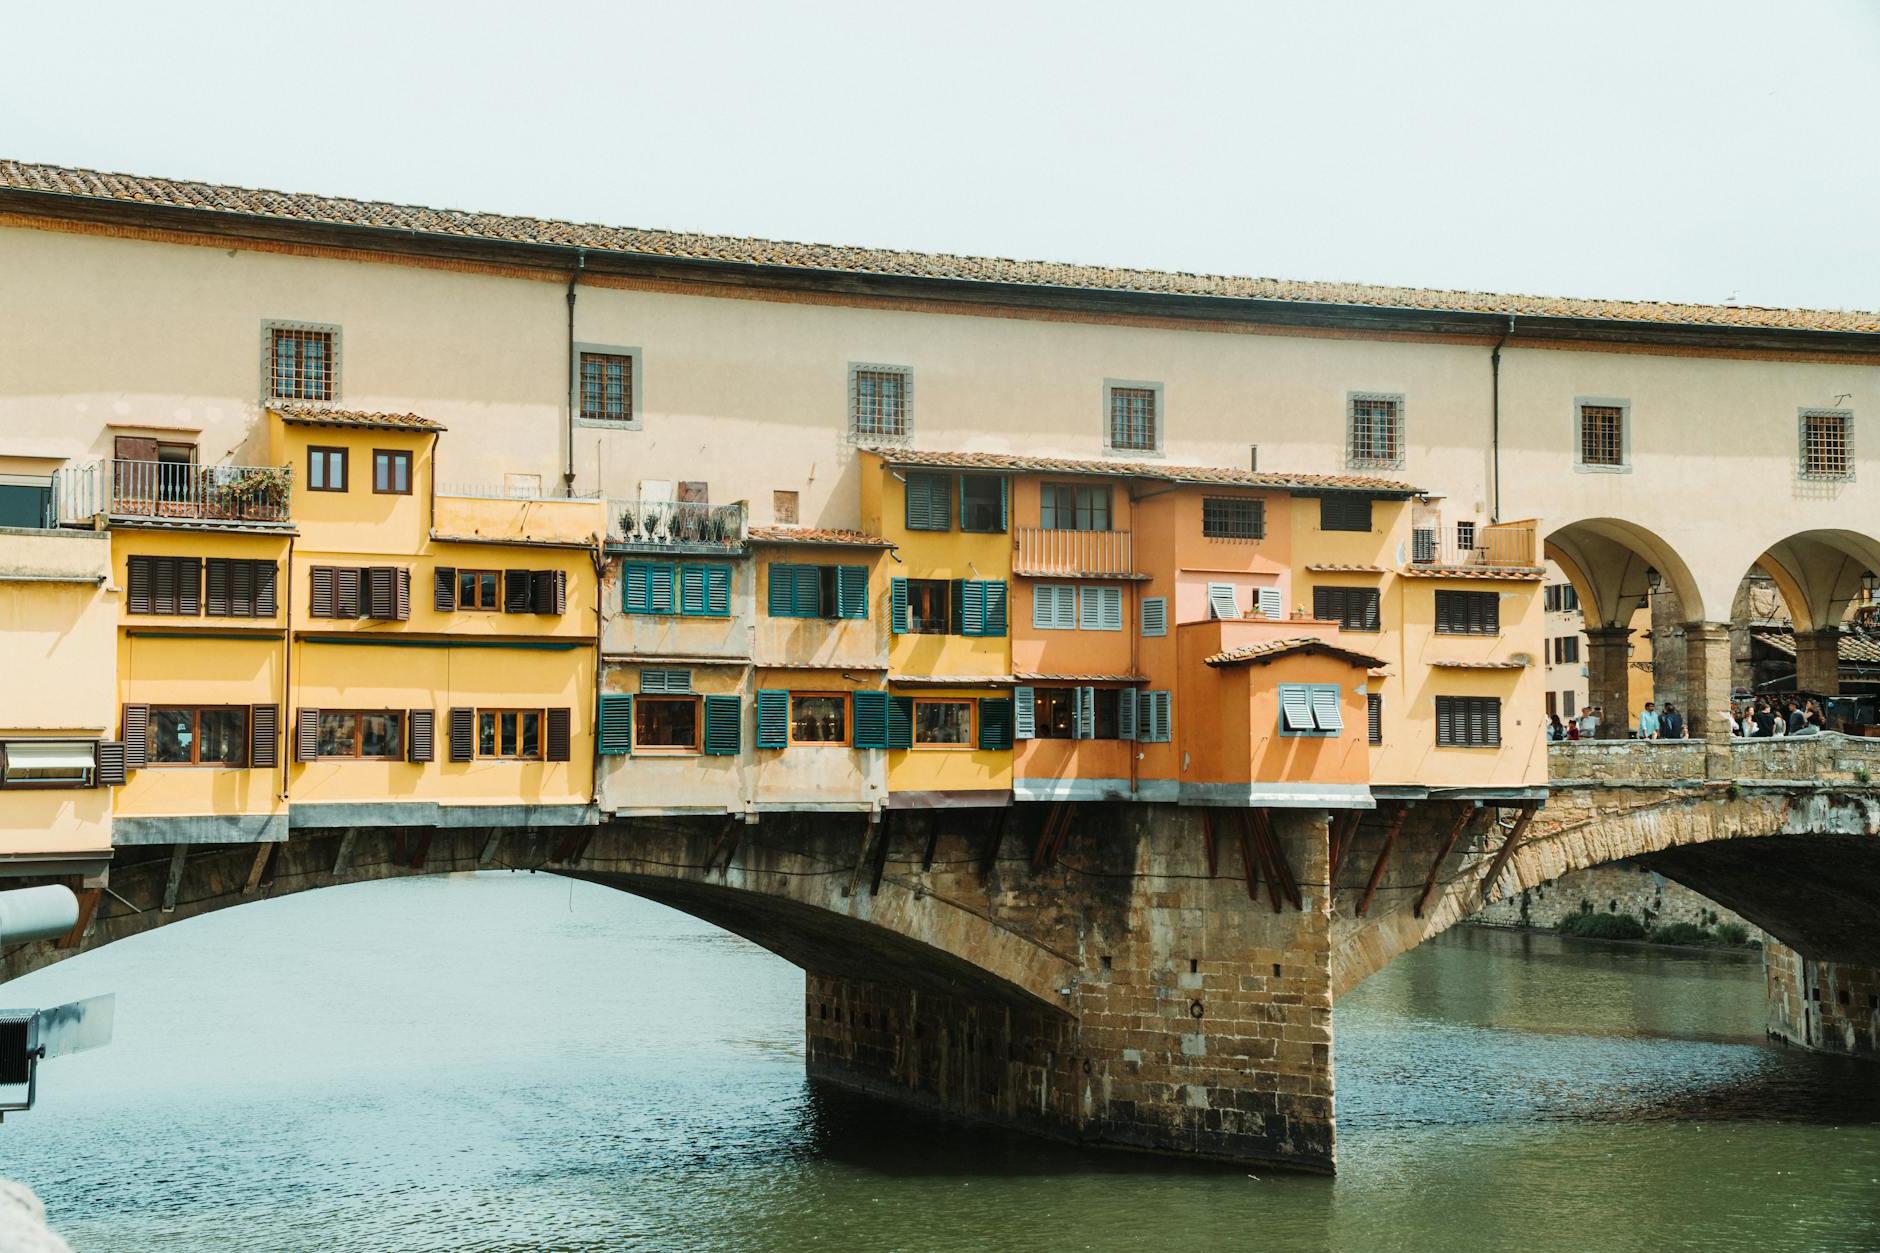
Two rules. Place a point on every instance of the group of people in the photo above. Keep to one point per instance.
(1765, 717)
(1652, 724)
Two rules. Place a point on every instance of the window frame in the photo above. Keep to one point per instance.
(270, 329)
(635, 390)
(1049, 510)
(395, 457)
(945, 622)
(345, 467)
(971, 741)
(495, 578)
(1580, 464)
(1345, 594)
(1846, 418)
(905, 373)
(398, 717)
(87, 778)
(1255, 504)
(642, 701)
(498, 713)
(1158, 417)
(1369, 459)
(848, 720)
(195, 762)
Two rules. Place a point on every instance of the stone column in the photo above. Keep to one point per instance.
(1608, 677)
(1706, 684)
(1818, 661)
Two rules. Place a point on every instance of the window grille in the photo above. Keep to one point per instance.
(1233, 517)
(1465, 537)
(1602, 435)
(606, 387)
(1133, 419)
(1827, 444)
(301, 363)
(878, 402)
(1376, 432)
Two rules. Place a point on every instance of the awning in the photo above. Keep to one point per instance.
(49, 755)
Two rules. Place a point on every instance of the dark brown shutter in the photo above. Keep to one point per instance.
(381, 592)
(140, 580)
(163, 578)
(462, 733)
(266, 606)
(264, 735)
(559, 737)
(110, 771)
(421, 735)
(403, 605)
(136, 730)
(444, 594)
(321, 602)
(346, 600)
(550, 593)
(135, 448)
(218, 588)
(307, 735)
(241, 588)
(518, 591)
(189, 585)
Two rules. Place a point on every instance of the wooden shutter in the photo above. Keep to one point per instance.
(550, 591)
(1084, 711)
(1222, 602)
(321, 602)
(773, 718)
(241, 587)
(1326, 714)
(660, 598)
(973, 607)
(462, 734)
(1374, 718)
(558, 738)
(307, 734)
(142, 584)
(1271, 605)
(851, 591)
(871, 719)
(421, 735)
(1295, 709)
(897, 606)
(1126, 714)
(724, 718)
(136, 732)
(929, 502)
(808, 599)
(782, 597)
(900, 722)
(718, 591)
(692, 591)
(110, 762)
(347, 602)
(218, 591)
(616, 730)
(264, 736)
(401, 606)
(993, 616)
(444, 589)
(188, 585)
(267, 577)
(636, 587)
(1024, 713)
(519, 591)
(1345, 511)
(1164, 717)
(381, 592)
(163, 598)
(995, 722)
(1155, 615)
(1368, 617)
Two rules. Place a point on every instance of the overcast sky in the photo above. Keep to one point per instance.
(1686, 151)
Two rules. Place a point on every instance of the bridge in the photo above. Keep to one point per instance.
(1151, 977)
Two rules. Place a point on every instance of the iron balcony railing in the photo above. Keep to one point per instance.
(508, 491)
(678, 526)
(1501, 545)
(1046, 551)
(172, 489)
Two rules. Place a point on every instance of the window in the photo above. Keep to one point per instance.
(669, 722)
(1233, 517)
(1468, 613)
(798, 591)
(1154, 720)
(662, 587)
(1058, 712)
(929, 502)
(943, 724)
(478, 589)
(1069, 507)
(199, 737)
(947, 607)
(1827, 444)
(783, 506)
(48, 763)
(982, 503)
(1099, 608)
(1134, 423)
(1054, 606)
(1353, 608)
(326, 469)
(1345, 511)
(1154, 615)
(928, 606)
(240, 589)
(819, 718)
(382, 592)
(1465, 537)
(878, 402)
(1310, 709)
(302, 361)
(1561, 598)
(26, 501)
(512, 734)
(668, 682)
(168, 586)
(372, 734)
(1602, 434)
(1374, 718)
(1375, 431)
(1566, 649)
(1468, 721)
(609, 387)
(391, 472)
(1223, 601)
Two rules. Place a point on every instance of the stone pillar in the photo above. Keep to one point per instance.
(1706, 685)
(1830, 1007)
(1608, 677)
(1818, 661)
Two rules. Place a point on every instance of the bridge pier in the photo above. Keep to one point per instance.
(1609, 677)
(1818, 661)
(1830, 1007)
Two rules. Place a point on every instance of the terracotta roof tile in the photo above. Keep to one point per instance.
(830, 536)
(1855, 648)
(1514, 574)
(1080, 678)
(313, 415)
(230, 201)
(1448, 664)
(1333, 567)
(1270, 650)
(952, 680)
(1216, 475)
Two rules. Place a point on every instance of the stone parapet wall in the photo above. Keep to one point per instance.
(1622, 888)
(1827, 758)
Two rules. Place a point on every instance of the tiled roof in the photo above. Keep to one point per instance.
(1852, 647)
(1216, 475)
(956, 680)
(1270, 650)
(816, 535)
(1507, 574)
(1333, 567)
(1080, 678)
(312, 415)
(1447, 664)
(240, 202)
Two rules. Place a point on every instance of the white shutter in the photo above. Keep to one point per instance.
(1024, 713)
(1270, 603)
(1325, 709)
(1112, 603)
(1155, 615)
(1054, 607)
(1085, 707)
(1221, 602)
(1126, 714)
(1295, 705)
(1089, 610)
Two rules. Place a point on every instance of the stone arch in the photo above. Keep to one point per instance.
(1609, 561)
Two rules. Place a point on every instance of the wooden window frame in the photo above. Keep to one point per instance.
(345, 467)
(848, 720)
(697, 747)
(1096, 491)
(195, 761)
(497, 712)
(397, 457)
(945, 626)
(359, 733)
(496, 588)
(969, 744)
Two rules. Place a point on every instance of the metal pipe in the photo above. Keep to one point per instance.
(1494, 370)
(574, 276)
(288, 712)
(95, 580)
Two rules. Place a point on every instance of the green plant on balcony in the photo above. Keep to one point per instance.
(257, 492)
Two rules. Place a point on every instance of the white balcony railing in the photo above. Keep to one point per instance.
(1040, 550)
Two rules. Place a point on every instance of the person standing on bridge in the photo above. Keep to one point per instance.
(1671, 725)
(1796, 718)
(1588, 723)
(1556, 729)
(1648, 722)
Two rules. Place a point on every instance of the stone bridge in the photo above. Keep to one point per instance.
(1147, 976)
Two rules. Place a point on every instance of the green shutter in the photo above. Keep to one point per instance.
(993, 617)
(616, 738)
(718, 591)
(897, 606)
(972, 607)
(724, 716)
(900, 722)
(773, 718)
(692, 590)
(660, 593)
(929, 502)
(995, 722)
(851, 591)
(782, 590)
(808, 598)
(871, 719)
(636, 582)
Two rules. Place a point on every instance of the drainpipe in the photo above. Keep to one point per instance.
(599, 558)
(1494, 372)
(288, 712)
(574, 276)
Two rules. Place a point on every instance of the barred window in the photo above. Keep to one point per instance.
(1468, 721)
(302, 363)
(1827, 444)
(878, 402)
(1233, 517)
(1133, 419)
(1376, 437)
(606, 387)
(1602, 435)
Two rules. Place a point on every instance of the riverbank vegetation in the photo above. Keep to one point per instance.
(1592, 925)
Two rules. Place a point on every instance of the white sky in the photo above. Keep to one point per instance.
(1686, 151)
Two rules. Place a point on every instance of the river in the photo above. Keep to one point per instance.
(521, 1062)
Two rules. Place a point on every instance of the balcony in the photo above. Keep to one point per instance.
(184, 490)
(677, 526)
(1501, 545)
(1079, 554)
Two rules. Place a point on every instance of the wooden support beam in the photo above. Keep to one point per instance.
(990, 858)
(484, 858)
(1247, 865)
(263, 854)
(1063, 831)
(88, 899)
(1344, 830)
(1046, 847)
(343, 858)
(1383, 856)
(881, 855)
(1464, 812)
(1267, 869)
(171, 886)
(869, 830)
(933, 840)
(1508, 847)
(1207, 837)
(572, 844)
(725, 848)
(1276, 858)
(422, 850)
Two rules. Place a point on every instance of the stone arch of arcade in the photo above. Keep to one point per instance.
(1821, 575)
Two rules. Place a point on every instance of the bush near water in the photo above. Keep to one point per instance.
(1590, 925)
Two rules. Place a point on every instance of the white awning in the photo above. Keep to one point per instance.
(49, 755)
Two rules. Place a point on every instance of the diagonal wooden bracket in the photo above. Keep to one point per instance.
(1464, 814)
(1248, 865)
(1057, 825)
(725, 849)
(870, 832)
(1279, 872)
(1344, 832)
(994, 841)
(88, 899)
(1207, 838)
(1383, 856)
(264, 853)
(881, 856)
(1508, 847)
(174, 884)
